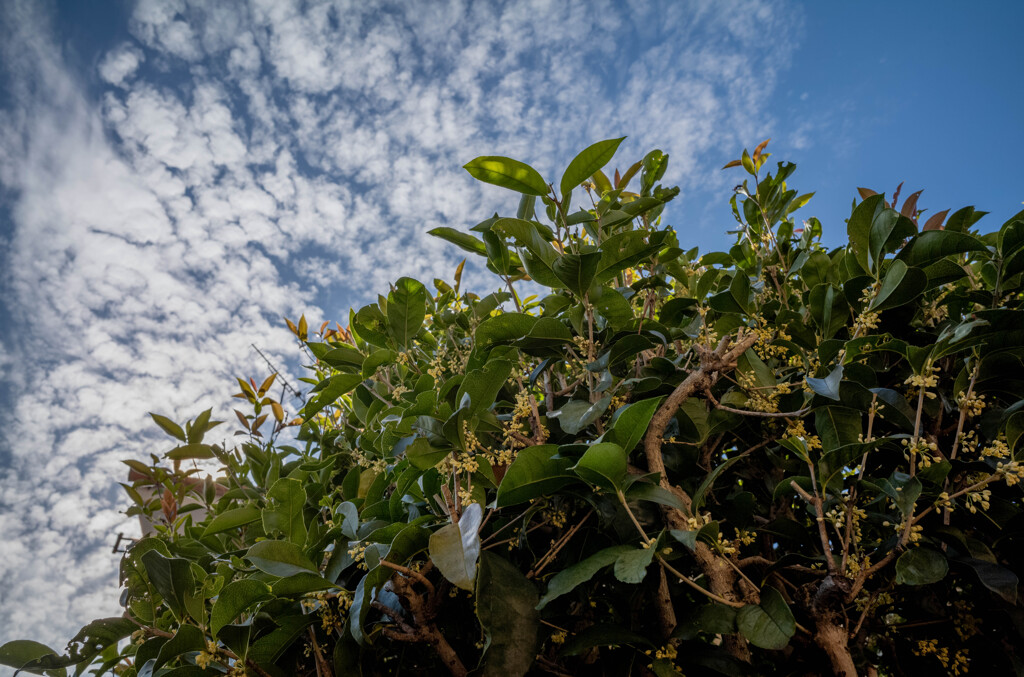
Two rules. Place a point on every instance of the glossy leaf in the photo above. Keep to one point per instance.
(568, 579)
(920, 566)
(455, 548)
(536, 471)
(603, 464)
(589, 161)
(769, 625)
(280, 558)
(508, 173)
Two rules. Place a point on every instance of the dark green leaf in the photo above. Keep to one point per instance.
(333, 388)
(506, 608)
(933, 245)
(23, 652)
(172, 578)
(768, 625)
(187, 638)
(920, 566)
(232, 519)
(631, 566)
(575, 415)
(603, 464)
(532, 474)
(235, 598)
(284, 513)
(631, 423)
(901, 285)
(567, 579)
(576, 271)
(280, 558)
(482, 386)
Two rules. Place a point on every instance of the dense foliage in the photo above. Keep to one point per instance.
(780, 459)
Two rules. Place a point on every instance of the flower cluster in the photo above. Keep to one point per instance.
(971, 404)
(924, 382)
(795, 428)
(956, 664)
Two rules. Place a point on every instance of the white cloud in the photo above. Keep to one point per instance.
(121, 64)
(267, 153)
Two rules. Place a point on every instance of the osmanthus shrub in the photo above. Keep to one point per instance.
(779, 459)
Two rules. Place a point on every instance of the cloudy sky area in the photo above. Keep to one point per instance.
(176, 176)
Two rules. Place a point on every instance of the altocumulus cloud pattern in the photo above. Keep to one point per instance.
(229, 163)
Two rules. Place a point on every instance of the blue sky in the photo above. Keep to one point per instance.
(175, 176)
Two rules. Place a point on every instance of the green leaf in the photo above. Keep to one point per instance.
(187, 451)
(920, 566)
(612, 305)
(641, 491)
(455, 548)
(280, 558)
(536, 471)
(603, 464)
(768, 625)
(528, 235)
(284, 513)
(482, 386)
(829, 309)
(569, 578)
(575, 415)
(996, 578)
(407, 306)
(424, 456)
(506, 608)
(901, 285)
(187, 638)
(460, 239)
(169, 426)
(23, 652)
(504, 327)
(333, 388)
(933, 245)
(888, 230)
(828, 386)
(508, 173)
(903, 489)
(602, 634)
(631, 423)
(232, 519)
(172, 578)
(576, 271)
(858, 228)
(837, 426)
(631, 566)
(588, 162)
(235, 598)
(349, 518)
(625, 249)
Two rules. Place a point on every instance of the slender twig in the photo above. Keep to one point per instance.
(410, 573)
(748, 412)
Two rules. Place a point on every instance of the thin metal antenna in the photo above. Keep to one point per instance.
(122, 537)
(274, 370)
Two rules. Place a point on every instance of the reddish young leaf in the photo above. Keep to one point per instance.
(935, 222)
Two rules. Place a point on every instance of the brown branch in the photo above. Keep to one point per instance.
(323, 668)
(410, 573)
